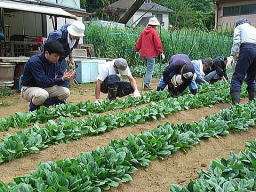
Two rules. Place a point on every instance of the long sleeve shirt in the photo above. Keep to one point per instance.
(244, 33)
(38, 72)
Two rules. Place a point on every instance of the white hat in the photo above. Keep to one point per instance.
(153, 21)
(76, 29)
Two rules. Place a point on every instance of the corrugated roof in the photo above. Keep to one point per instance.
(126, 4)
(34, 8)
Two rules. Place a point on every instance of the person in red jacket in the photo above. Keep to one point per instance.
(150, 46)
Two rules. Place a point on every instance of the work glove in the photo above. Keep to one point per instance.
(230, 62)
(162, 56)
(136, 93)
(176, 80)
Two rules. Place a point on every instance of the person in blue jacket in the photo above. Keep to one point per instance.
(68, 35)
(178, 75)
(201, 66)
(42, 78)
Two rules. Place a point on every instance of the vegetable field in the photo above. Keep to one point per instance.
(156, 143)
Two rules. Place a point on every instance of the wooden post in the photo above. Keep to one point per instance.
(131, 11)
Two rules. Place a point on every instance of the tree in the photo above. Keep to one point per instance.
(190, 13)
(96, 6)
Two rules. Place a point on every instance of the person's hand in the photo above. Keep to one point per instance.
(72, 74)
(67, 75)
(162, 56)
(223, 79)
(136, 93)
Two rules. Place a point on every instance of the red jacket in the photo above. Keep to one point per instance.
(149, 43)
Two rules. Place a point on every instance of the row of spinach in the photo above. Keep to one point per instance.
(233, 174)
(25, 119)
(67, 129)
(110, 166)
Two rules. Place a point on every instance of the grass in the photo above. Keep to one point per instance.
(5, 92)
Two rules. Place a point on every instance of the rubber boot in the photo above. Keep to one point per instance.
(53, 101)
(33, 107)
(112, 92)
(235, 97)
(251, 96)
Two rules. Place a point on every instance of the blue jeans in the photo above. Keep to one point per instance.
(246, 66)
(150, 61)
(161, 85)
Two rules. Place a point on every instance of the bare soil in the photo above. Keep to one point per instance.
(179, 168)
(83, 92)
(25, 165)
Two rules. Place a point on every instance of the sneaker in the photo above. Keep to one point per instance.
(147, 88)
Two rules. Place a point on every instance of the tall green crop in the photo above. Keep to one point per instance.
(116, 42)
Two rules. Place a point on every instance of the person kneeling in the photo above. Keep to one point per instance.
(42, 81)
(178, 75)
(108, 80)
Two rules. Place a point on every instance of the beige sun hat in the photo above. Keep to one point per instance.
(153, 21)
(76, 29)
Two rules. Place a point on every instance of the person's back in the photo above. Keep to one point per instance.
(243, 34)
(149, 46)
(248, 33)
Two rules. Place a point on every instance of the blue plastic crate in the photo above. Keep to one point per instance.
(87, 70)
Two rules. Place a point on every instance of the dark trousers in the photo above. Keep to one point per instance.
(245, 69)
(123, 88)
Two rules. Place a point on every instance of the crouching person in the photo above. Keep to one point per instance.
(178, 75)
(108, 80)
(42, 81)
(217, 71)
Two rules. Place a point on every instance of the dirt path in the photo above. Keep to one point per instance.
(22, 166)
(82, 93)
(179, 168)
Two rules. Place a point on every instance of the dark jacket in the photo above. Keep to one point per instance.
(220, 67)
(175, 65)
(62, 36)
(38, 72)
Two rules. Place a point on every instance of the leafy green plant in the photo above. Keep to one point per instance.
(5, 92)
(116, 42)
(84, 108)
(232, 174)
(37, 138)
(107, 167)
(4, 104)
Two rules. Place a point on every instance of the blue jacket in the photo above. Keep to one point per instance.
(199, 76)
(38, 72)
(62, 36)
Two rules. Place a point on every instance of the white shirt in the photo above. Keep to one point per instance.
(71, 42)
(244, 33)
(108, 69)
